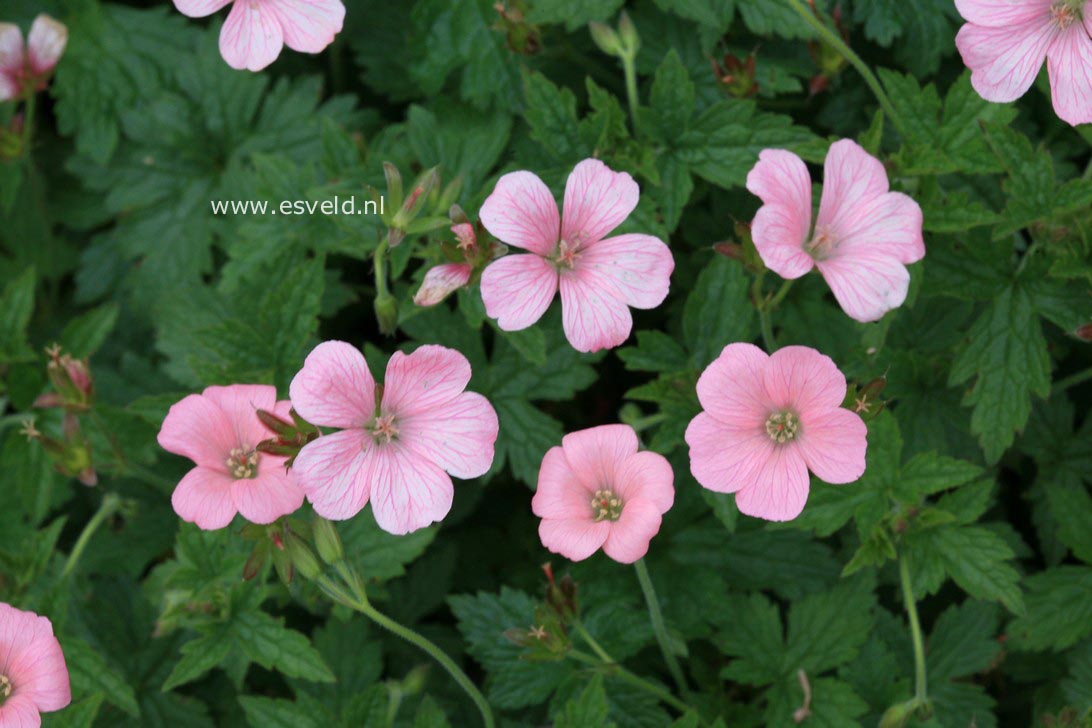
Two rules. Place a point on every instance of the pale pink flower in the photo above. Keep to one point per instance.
(442, 280)
(398, 442)
(1005, 42)
(599, 277)
(33, 674)
(219, 430)
(597, 490)
(26, 70)
(256, 30)
(766, 421)
(864, 236)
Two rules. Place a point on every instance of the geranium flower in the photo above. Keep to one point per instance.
(766, 421)
(1005, 42)
(26, 70)
(597, 490)
(863, 238)
(219, 430)
(598, 278)
(256, 30)
(33, 674)
(396, 440)
(442, 280)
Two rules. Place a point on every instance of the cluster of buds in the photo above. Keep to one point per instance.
(548, 639)
(294, 546)
(522, 37)
(622, 43)
(829, 60)
(738, 78)
(466, 260)
(73, 387)
(865, 399)
(73, 393)
(290, 437)
(25, 71)
(403, 214)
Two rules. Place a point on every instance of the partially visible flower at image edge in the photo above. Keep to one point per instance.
(598, 491)
(399, 443)
(219, 431)
(766, 421)
(24, 70)
(256, 30)
(33, 673)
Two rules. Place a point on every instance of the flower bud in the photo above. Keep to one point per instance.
(440, 281)
(394, 184)
(327, 540)
(303, 559)
(283, 564)
(257, 559)
(386, 313)
(606, 38)
(1084, 333)
(627, 31)
(71, 380)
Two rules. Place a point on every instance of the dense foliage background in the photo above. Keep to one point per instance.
(978, 469)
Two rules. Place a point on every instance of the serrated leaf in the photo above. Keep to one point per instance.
(1059, 609)
(269, 643)
(717, 311)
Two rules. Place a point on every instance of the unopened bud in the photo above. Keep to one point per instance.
(1084, 333)
(276, 424)
(283, 564)
(303, 559)
(386, 313)
(627, 31)
(327, 540)
(394, 185)
(606, 38)
(414, 681)
(257, 560)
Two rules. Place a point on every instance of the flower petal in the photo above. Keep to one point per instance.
(833, 445)
(596, 453)
(1005, 60)
(308, 25)
(1000, 13)
(560, 494)
(198, 429)
(19, 711)
(11, 60)
(334, 388)
(517, 290)
(850, 176)
(31, 657)
(268, 496)
(731, 390)
(593, 312)
(887, 224)
(241, 402)
(801, 379)
(867, 285)
(45, 44)
(1069, 61)
(638, 266)
(779, 489)
(630, 535)
(597, 200)
(646, 476)
(781, 226)
(418, 383)
(574, 539)
(522, 212)
(458, 435)
(199, 8)
(203, 496)
(251, 37)
(440, 281)
(726, 459)
(409, 492)
(333, 472)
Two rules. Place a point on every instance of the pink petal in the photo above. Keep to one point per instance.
(270, 495)
(252, 37)
(1069, 61)
(833, 445)
(418, 383)
(9, 89)
(725, 459)
(593, 313)
(1000, 13)
(409, 492)
(459, 435)
(517, 290)
(308, 25)
(781, 226)
(1005, 60)
(731, 389)
(440, 281)
(45, 44)
(630, 535)
(800, 379)
(199, 8)
(334, 388)
(646, 476)
(31, 658)
(11, 60)
(522, 212)
(779, 489)
(560, 493)
(887, 224)
(333, 472)
(573, 539)
(867, 285)
(241, 402)
(597, 200)
(596, 453)
(203, 496)
(850, 177)
(19, 711)
(198, 429)
(639, 267)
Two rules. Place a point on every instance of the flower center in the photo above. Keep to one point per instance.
(782, 427)
(383, 429)
(606, 505)
(567, 254)
(5, 688)
(242, 463)
(821, 244)
(1066, 12)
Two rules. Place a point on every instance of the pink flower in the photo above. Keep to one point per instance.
(24, 71)
(256, 30)
(1005, 42)
(219, 430)
(440, 281)
(396, 440)
(597, 490)
(598, 278)
(863, 238)
(33, 675)
(767, 420)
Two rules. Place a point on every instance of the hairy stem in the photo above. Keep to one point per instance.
(660, 629)
(109, 506)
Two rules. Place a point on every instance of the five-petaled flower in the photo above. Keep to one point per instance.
(596, 490)
(599, 277)
(26, 70)
(256, 30)
(219, 431)
(864, 236)
(766, 421)
(1004, 43)
(398, 442)
(33, 674)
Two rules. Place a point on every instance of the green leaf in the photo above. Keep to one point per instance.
(269, 643)
(826, 629)
(201, 655)
(930, 473)
(754, 638)
(378, 555)
(91, 674)
(551, 113)
(718, 311)
(1059, 612)
(16, 307)
(964, 641)
(573, 13)
(977, 559)
(277, 713)
(590, 709)
(80, 714)
(655, 352)
(85, 334)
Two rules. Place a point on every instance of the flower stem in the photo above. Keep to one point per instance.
(110, 504)
(660, 629)
(629, 68)
(921, 697)
(381, 268)
(28, 123)
(638, 682)
(1071, 381)
(832, 39)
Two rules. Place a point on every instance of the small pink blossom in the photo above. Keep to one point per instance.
(597, 490)
(863, 238)
(257, 30)
(599, 277)
(26, 70)
(33, 674)
(219, 431)
(1005, 42)
(398, 442)
(441, 281)
(766, 421)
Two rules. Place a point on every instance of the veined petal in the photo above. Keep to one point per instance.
(646, 476)
(198, 429)
(574, 539)
(560, 494)
(780, 227)
(517, 290)
(268, 496)
(593, 313)
(731, 388)
(251, 38)
(888, 224)
(851, 176)
(416, 384)
(639, 267)
(458, 435)
(597, 200)
(1005, 60)
(11, 60)
(241, 402)
(19, 711)
(333, 472)
(308, 26)
(334, 388)
(45, 44)
(867, 285)
(440, 281)
(203, 497)
(1001, 13)
(833, 445)
(522, 212)
(1069, 61)
(725, 459)
(779, 489)
(800, 379)
(199, 8)
(595, 454)
(630, 535)
(409, 492)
